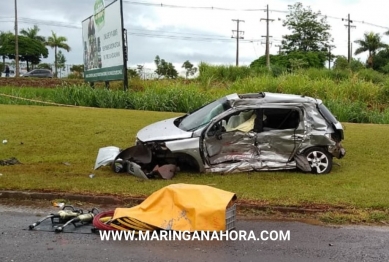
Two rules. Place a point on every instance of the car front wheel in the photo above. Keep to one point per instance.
(319, 160)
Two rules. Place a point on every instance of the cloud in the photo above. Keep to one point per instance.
(156, 30)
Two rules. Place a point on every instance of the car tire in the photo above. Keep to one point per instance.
(319, 160)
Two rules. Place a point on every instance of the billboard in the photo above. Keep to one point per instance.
(102, 37)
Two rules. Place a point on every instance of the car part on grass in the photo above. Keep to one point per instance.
(106, 156)
(64, 215)
(9, 162)
(81, 218)
(135, 160)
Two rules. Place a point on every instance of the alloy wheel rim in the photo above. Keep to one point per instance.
(318, 160)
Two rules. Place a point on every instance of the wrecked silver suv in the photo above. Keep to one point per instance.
(259, 131)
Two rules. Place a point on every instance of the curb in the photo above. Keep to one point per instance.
(112, 200)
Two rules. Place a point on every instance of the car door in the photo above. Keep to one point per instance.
(40, 73)
(281, 133)
(271, 139)
(231, 138)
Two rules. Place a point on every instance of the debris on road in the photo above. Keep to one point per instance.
(66, 216)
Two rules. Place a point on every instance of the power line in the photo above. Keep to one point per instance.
(240, 10)
(216, 9)
(159, 34)
(191, 7)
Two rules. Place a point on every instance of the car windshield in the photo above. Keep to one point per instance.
(204, 115)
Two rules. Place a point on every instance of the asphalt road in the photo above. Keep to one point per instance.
(307, 243)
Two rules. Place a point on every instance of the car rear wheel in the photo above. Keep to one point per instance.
(319, 160)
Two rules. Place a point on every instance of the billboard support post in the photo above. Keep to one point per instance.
(125, 55)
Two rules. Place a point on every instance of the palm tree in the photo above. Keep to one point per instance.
(32, 33)
(56, 42)
(371, 42)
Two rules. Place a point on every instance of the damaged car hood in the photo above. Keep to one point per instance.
(162, 130)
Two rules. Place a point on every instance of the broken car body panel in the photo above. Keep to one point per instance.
(258, 131)
(106, 156)
(162, 131)
(295, 124)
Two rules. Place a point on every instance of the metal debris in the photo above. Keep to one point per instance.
(9, 162)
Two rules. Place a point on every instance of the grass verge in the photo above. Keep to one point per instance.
(58, 146)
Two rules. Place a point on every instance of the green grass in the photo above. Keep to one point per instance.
(358, 98)
(43, 138)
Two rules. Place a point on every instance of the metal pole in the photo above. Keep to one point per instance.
(267, 38)
(349, 42)
(16, 41)
(237, 43)
(124, 49)
(237, 38)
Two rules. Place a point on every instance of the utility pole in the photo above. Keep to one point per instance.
(279, 48)
(237, 38)
(267, 36)
(329, 57)
(16, 41)
(349, 33)
(351, 48)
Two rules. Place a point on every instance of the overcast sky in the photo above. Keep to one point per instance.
(155, 30)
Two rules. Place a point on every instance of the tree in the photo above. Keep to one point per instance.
(4, 36)
(30, 50)
(309, 31)
(32, 33)
(56, 42)
(76, 71)
(79, 69)
(293, 60)
(132, 73)
(44, 66)
(190, 69)
(61, 60)
(381, 61)
(165, 69)
(141, 71)
(371, 42)
(341, 63)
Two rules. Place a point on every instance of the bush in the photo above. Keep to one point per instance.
(371, 75)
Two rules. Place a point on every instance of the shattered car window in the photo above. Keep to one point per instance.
(327, 114)
(204, 115)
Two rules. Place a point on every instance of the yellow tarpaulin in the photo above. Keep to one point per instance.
(182, 207)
